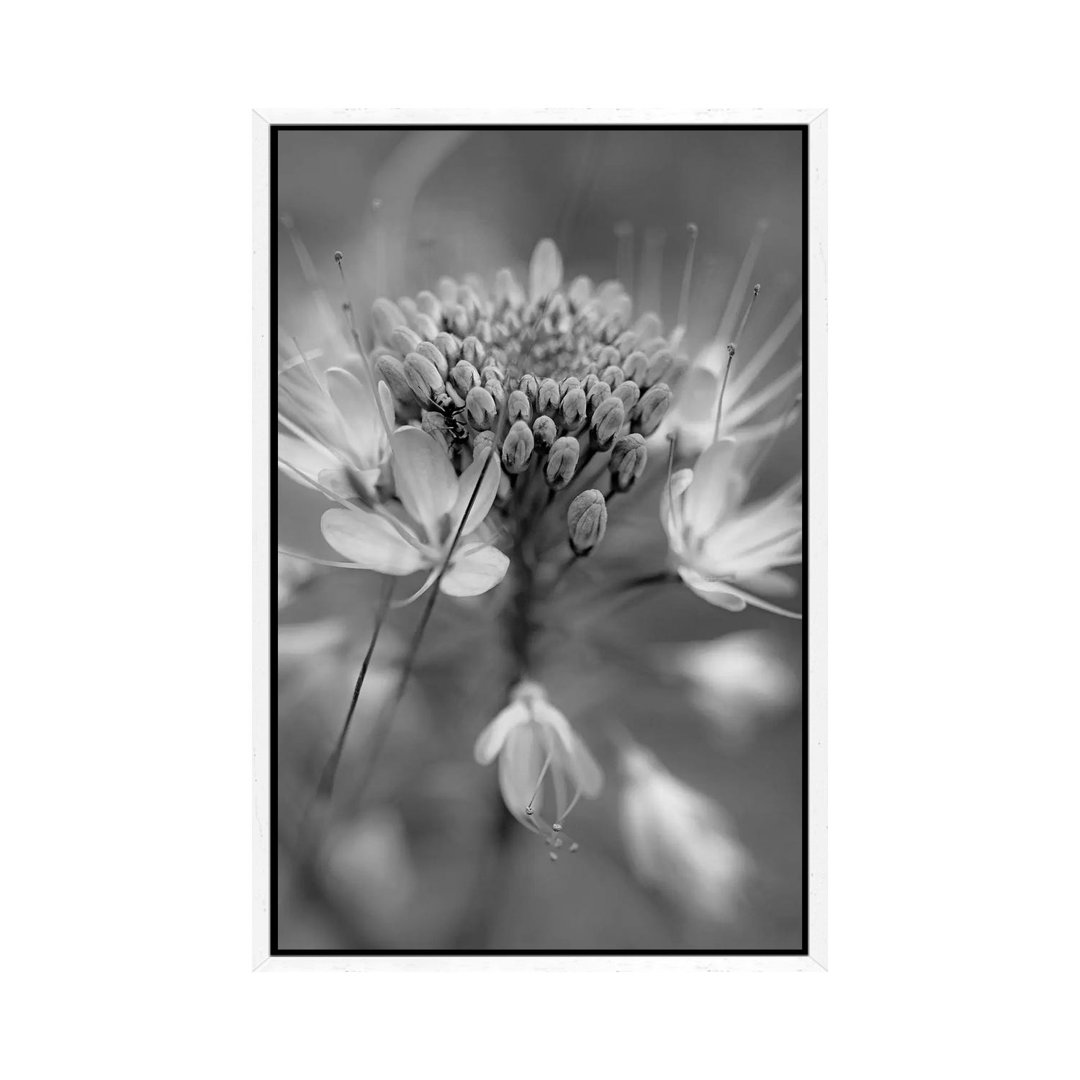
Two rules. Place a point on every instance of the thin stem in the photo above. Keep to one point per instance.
(325, 786)
(386, 717)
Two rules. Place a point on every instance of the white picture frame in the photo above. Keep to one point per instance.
(815, 957)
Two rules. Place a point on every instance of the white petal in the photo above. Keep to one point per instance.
(474, 571)
(489, 488)
(372, 543)
(545, 270)
(717, 593)
(520, 763)
(715, 485)
(424, 478)
(357, 406)
(589, 777)
(491, 739)
(697, 396)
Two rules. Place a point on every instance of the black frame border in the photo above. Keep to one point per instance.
(272, 479)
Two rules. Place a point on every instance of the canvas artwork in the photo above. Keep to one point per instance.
(539, 442)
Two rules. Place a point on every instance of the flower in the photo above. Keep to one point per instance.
(679, 841)
(416, 531)
(534, 742)
(333, 430)
(728, 554)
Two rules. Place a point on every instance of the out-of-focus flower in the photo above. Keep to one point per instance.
(535, 743)
(292, 573)
(332, 428)
(369, 865)
(740, 681)
(415, 532)
(679, 841)
(727, 553)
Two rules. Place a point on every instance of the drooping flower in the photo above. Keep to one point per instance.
(679, 841)
(727, 553)
(416, 530)
(539, 753)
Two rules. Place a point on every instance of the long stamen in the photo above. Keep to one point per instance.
(683, 315)
(723, 387)
(731, 359)
(539, 783)
(624, 255)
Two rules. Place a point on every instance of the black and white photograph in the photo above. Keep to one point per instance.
(539, 542)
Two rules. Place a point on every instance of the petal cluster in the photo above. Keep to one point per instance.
(727, 552)
(415, 531)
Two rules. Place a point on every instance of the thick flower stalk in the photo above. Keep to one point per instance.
(679, 841)
(729, 553)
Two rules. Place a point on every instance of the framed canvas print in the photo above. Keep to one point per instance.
(539, 477)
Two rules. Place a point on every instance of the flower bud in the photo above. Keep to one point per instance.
(600, 392)
(448, 345)
(428, 303)
(589, 382)
(386, 316)
(659, 365)
(530, 387)
(636, 366)
(483, 442)
(435, 425)
(548, 396)
(628, 458)
(480, 406)
(517, 406)
(652, 408)
(544, 432)
(423, 377)
(626, 343)
(392, 371)
(612, 375)
(609, 356)
(426, 349)
(464, 377)
(586, 520)
(607, 421)
(496, 389)
(424, 325)
(579, 292)
(404, 340)
(455, 316)
(628, 393)
(569, 383)
(562, 461)
(517, 447)
(472, 349)
(574, 408)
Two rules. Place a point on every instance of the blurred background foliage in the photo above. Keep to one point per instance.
(425, 856)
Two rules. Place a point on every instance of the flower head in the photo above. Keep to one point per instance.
(332, 428)
(415, 531)
(726, 552)
(537, 749)
(679, 841)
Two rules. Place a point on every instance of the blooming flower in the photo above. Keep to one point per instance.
(417, 530)
(332, 427)
(534, 742)
(679, 841)
(727, 553)
(694, 415)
